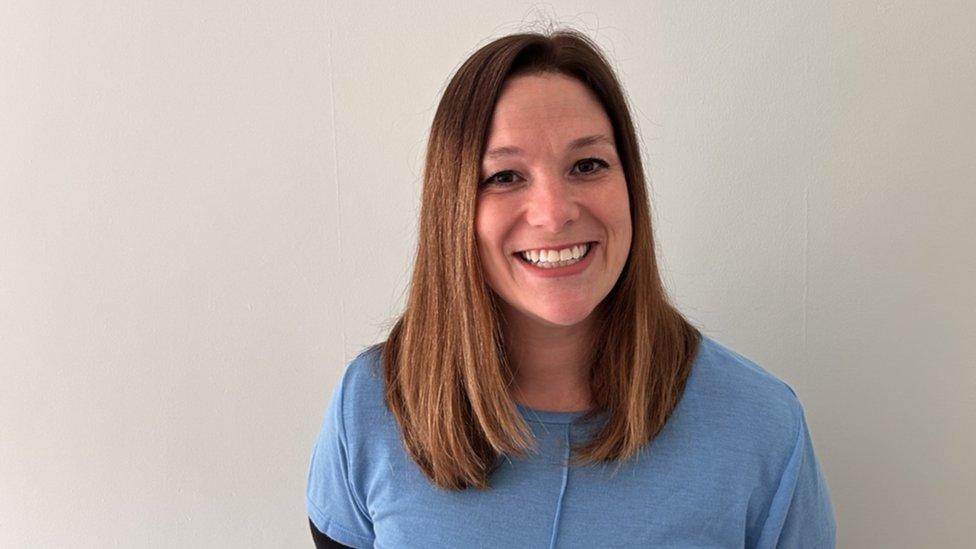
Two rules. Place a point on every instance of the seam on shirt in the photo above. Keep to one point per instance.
(798, 411)
(828, 540)
(562, 493)
(344, 536)
(577, 421)
(547, 422)
(539, 421)
(342, 437)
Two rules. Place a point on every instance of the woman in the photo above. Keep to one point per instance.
(540, 390)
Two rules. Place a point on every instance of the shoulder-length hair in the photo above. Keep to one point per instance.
(446, 371)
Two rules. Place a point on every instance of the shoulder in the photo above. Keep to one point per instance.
(342, 465)
(731, 374)
(735, 392)
(359, 396)
(361, 383)
(364, 374)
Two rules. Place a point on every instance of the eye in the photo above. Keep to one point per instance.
(591, 165)
(501, 178)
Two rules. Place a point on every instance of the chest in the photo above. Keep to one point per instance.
(665, 497)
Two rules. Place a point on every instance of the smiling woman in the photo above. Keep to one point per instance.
(538, 346)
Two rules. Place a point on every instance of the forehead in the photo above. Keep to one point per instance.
(546, 107)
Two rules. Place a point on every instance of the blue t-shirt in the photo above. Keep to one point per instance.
(733, 466)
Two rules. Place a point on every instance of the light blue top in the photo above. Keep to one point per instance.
(733, 467)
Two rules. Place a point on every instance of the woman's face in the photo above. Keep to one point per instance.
(552, 187)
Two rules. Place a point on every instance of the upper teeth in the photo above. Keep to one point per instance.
(552, 256)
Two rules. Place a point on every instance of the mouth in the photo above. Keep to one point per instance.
(556, 259)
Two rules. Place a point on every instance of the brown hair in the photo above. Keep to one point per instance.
(446, 372)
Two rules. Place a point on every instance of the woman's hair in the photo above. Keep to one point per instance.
(446, 371)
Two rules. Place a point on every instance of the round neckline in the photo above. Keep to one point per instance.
(546, 416)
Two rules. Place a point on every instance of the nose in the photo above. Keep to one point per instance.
(552, 204)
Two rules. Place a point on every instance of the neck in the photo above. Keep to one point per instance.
(550, 362)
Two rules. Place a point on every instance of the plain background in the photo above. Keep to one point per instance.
(207, 209)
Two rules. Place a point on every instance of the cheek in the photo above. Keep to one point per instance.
(626, 227)
(489, 234)
(488, 223)
(482, 226)
(617, 218)
(616, 212)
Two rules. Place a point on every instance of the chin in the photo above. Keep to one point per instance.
(562, 316)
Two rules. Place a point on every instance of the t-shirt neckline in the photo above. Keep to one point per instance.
(546, 416)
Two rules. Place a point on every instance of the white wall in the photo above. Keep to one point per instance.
(207, 209)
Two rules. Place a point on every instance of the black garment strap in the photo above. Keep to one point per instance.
(323, 541)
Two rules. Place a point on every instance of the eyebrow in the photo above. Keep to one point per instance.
(574, 145)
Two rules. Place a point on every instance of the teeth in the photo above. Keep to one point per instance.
(555, 258)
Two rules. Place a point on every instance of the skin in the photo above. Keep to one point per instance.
(549, 194)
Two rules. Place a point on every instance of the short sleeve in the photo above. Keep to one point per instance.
(334, 503)
(801, 514)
